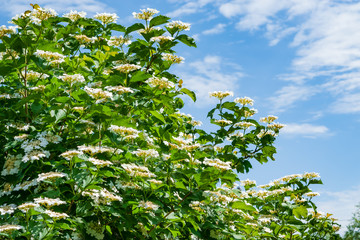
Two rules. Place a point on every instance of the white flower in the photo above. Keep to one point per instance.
(244, 101)
(161, 39)
(179, 25)
(172, 58)
(220, 94)
(126, 68)
(268, 119)
(161, 83)
(10, 228)
(248, 182)
(49, 201)
(56, 215)
(106, 18)
(75, 78)
(50, 176)
(217, 163)
(75, 15)
(118, 41)
(27, 206)
(244, 125)
(7, 209)
(146, 153)
(146, 14)
(137, 171)
(148, 205)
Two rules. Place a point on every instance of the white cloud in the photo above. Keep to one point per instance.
(287, 96)
(304, 129)
(190, 7)
(341, 204)
(209, 74)
(325, 37)
(14, 7)
(219, 28)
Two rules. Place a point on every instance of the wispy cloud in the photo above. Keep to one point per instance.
(190, 7)
(210, 74)
(287, 96)
(325, 37)
(219, 28)
(14, 7)
(341, 204)
(305, 130)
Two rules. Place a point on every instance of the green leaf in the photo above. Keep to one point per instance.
(158, 20)
(116, 27)
(300, 212)
(243, 206)
(158, 116)
(134, 27)
(189, 93)
(108, 229)
(187, 40)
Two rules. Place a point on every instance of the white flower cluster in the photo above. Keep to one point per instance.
(220, 94)
(216, 196)
(249, 113)
(7, 209)
(146, 14)
(179, 25)
(102, 196)
(275, 126)
(98, 94)
(25, 185)
(269, 119)
(68, 155)
(172, 58)
(53, 58)
(137, 171)
(125, 132)
(119, 89)
(248, 182)
(19, 126)
(126, 68)
(33, 76)
(4, 30)
(223, 122)
(27, 206)
(71, 79)
(118, 41)
(12, 165)
(10, 228)
(56, 215)
(161, 39)
(244, 101)
(96, 149)
(34, 148)
(161, 83)
(49, 202)
(194, 123)
(196, 205)
(40, 14)
(106, 18)
(148, 205)
(99, 163)
(50, 176)
(84, 40)
(75, 15)
(217, 163)
(244, 125)
(149, 153)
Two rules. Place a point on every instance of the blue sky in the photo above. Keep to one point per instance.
(298, 59)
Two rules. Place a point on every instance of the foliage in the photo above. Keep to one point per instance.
(353, 229)
(93, 145)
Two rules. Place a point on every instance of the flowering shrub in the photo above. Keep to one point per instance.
(93, 145)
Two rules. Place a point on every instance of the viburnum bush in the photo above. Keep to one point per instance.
(93, 145)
